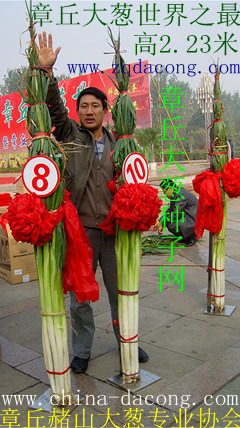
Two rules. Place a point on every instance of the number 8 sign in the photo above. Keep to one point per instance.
(40, 176)
(135, 169)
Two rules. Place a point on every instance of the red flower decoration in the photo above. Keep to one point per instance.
(135, 206)
(30, 221)
(210, 210)
(231, 178)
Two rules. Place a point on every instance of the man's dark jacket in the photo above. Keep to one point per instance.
(78, 143)
(187, 203)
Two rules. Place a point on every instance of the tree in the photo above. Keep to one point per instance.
(62, 76)
(196, 140)
(149, 140)
(157, 82)
(12, 79)
(182, 106)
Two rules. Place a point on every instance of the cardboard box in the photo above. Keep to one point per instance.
(3, 210)
(17, 260)
(20, 188)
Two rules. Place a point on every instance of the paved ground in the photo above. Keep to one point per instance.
(196, 355)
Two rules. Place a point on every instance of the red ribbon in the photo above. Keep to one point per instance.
(128, 340)
(31, 25)
(216, 153)
(214, 120)
(124, 136)
(214, 295)
(41, 134)
(128, 293)
(210, 212)
(217, 270)
(121, 337)
(41, 102)
(58, 373)
(115, 322)
(33, 40)
(77, 274)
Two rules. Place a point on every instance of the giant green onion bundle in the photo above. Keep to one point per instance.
(135, 208)
(127, 243)
(128, 254)
(219, 145)
(49, 257)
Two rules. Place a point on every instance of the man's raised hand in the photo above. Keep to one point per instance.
(46, 56)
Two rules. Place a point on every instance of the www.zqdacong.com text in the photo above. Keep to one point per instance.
(190, 70)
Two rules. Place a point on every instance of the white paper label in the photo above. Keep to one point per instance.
(18, 272)
(25, 278)
(135, 169)
(41, 176)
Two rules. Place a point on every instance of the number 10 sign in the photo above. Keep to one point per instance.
(135, 169)
(40, 176)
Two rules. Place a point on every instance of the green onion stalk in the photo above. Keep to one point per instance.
(51, 256)
(128, 254)
(218, 145)
(127, 243)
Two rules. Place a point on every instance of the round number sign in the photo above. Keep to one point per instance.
(135, 169)
(41, 176)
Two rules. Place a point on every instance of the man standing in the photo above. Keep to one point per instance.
(180, 217)
(89, 169)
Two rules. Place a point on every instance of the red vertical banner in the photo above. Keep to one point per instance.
(13, 134)
(13, 111)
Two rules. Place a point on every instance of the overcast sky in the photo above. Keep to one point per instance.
(87, 42)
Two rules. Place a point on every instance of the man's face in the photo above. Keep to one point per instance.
(168, 192)
(91, 112)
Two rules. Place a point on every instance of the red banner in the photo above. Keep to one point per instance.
(13, 111)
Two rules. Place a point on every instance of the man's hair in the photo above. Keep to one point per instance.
(166, 183)
(93, 91)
